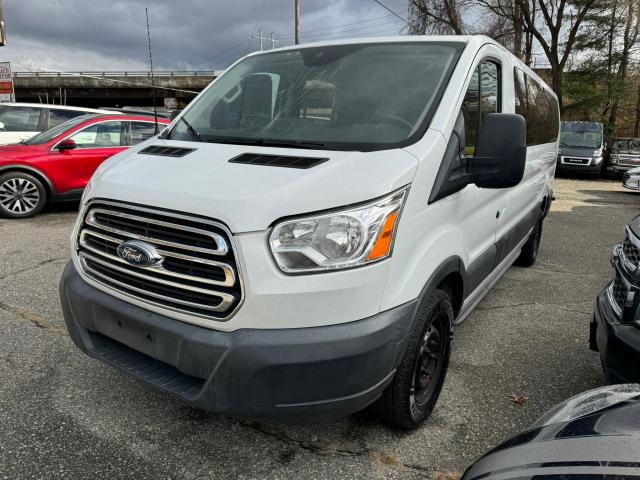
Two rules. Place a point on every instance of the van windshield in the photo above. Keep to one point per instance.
(581, 135)
(340, 97)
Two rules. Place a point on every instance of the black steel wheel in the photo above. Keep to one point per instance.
(416, 386)
(430, 361)
(21, 195)
(529, 252)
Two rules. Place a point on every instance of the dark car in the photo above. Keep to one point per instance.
(594, 435)
(581, 146)
(624, 154)
(615, 326)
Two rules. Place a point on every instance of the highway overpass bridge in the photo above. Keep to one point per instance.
(111, 89)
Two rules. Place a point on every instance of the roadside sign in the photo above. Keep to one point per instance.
(6, 83)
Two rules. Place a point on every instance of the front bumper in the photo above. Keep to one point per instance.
(619, 169)
(618, 343)
(578, 167)
(301, 374)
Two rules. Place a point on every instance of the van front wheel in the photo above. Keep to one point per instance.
(415, 388)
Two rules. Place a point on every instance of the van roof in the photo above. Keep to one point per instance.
(480, 39)
(475, 41)
(57, 107)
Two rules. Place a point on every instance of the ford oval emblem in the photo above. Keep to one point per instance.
(138, 253)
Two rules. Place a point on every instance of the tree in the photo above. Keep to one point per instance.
(517, 36)
(607, 42)
(556, 33)
(629, 40)
(437, 17)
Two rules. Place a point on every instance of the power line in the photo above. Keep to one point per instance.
(379, 33)
(343, 31)
(391, 11)
(255, 25)
(375, 19)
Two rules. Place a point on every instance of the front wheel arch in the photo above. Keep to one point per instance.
(48, 186)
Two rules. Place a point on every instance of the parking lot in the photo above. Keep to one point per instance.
(64, 415)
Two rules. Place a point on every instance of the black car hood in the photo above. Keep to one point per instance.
(603, 444)
(578, 152)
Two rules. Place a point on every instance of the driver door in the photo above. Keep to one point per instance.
(94, 144)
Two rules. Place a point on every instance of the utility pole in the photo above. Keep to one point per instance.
(297, 22)
(270, 39)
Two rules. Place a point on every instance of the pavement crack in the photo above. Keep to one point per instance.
(37, 320)
(33, 267)
(567, 272)
(530, 304)
(374, 455)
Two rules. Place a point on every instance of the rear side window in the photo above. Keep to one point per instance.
(56, 117)
(20, 119)
(481, 99)
(140, 131)
(538, 107)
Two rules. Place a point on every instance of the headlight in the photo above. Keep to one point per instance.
(588, 402)
(341, 239)
(613, 159)
(597, 160)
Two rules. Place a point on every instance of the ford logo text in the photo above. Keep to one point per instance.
(138, 253)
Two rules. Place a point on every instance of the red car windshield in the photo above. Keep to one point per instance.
(46, 137)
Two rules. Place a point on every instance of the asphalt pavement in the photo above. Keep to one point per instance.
(64, 415)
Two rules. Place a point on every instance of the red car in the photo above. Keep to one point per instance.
(57, 164)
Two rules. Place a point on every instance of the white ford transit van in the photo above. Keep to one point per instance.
(301, 241)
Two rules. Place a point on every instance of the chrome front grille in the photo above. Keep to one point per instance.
(629, 252)
(617, 293)
(197, 272)
(628, 160)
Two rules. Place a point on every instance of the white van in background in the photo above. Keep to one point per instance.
(300, 242)
(20, 121)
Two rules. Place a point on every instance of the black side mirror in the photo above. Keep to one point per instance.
(501, 151)
(66, 144)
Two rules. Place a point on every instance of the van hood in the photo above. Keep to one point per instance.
(579, 152)
(249, 197)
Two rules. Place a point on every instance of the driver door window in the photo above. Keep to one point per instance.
(481, 99)
(100, 135)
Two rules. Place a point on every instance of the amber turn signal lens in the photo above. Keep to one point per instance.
(383, 244)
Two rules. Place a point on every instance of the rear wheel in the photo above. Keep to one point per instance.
(529, 252)
(21, 195)
(416, 386)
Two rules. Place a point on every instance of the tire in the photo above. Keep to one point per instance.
(21, 195)
(410, 398)
(529, 252)
(603, 170)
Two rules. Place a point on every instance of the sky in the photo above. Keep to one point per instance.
(108, 35)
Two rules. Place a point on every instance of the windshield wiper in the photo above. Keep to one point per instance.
(192, 131)
(266, 142)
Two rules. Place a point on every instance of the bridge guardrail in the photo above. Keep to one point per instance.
(204, 73)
